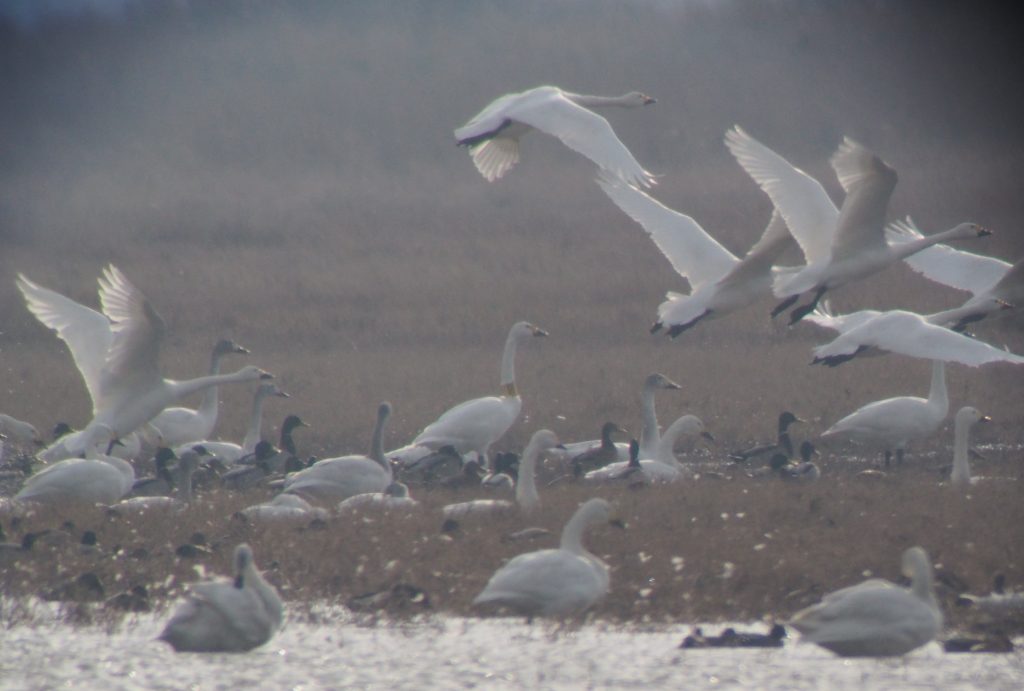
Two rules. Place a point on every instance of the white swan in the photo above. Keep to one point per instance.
(996, 285)
(892, 423)
(527, 497)
(178, 500)
(95, 479)
(661, 467)
(842, 245)
(554, 582)
(177, 425)
(331, 480)
(964, 419)
(227, 615)
(284, 507)
(19, 432)
(476, 424)
(228, 452)
(650, 433)
(117, 354)
(492, 135)
(903, 332)
(394, 497)
(682, 426)
(876, 618)
(720, 282)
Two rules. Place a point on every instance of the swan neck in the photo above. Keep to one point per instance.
(921, 584)
(508, 365)
(650, 435)
(937, 395)
(906, 249)
(961, 468)
(572, 534)
(180, 389)
(252, 433)
(526, 486)
(377, 445)
(667, 443)
(208, 406)
(588, 101)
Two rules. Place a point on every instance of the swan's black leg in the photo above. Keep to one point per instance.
(784, 305)
(801, 312)
(680, 328)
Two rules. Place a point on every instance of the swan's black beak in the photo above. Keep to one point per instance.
(240, 350)
(617, 523)
(985, 418)
(537, 331)
(648, 100)
(982, 231)
(266, 375)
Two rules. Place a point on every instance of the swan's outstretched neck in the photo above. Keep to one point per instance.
(377, 443)
(518, 332)
(190, 386)
(938, 395)
(572, 534)
(623, 101)
(961, 469)
(917, 566)
(526, 486)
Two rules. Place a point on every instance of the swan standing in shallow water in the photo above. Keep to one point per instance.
(876, 618)
(965, 418)
(720, 282)
(333, 479)
(554, 582)
(116, 353)
(492, 135)
(95, 479)
(227, 615)
(476, 424)
(177, 425)
(527, 497)
(894, 422)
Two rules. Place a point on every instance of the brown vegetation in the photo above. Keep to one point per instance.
(287, 177)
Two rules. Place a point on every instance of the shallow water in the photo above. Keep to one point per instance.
(446, 652)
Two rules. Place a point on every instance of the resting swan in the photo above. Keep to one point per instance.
(965, 418)
(996, 285)
(492, 135)
(95, 479)
(892, 423)
(720, 282)
(19, 432)
(331, 480)
(876, 618)
(527, 498)
(841, 245)
(227, 615)
(476, 424)
(228, 452)
(177, 425)
(179, 499)
(663, 466)
(554, 582)
(117, 353)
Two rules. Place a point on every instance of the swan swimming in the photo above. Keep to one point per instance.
(331, 480)
(876, 618)
(476, 424)
(227, 615)
(116, 353)
(554, 582)
(177, 426)
(965, 418)
(720, 281)
(492, 135)
(892, 423)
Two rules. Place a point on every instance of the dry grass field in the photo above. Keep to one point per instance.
(284, 174)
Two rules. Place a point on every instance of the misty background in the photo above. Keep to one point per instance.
(285, 172)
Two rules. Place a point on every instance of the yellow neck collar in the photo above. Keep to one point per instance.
(510, 389)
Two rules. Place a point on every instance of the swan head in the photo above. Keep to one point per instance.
(971, 230)
(914, 563)
(253, 373)
(243, 562)
(637, 98)
(544, 439)
(522, 330)
(599, 511)
(397, 490)
(660, 381)
(226, 346)
(968, 415)
(270, 389)
(383, 411)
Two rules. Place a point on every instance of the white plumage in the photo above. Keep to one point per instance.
(964, 419)
(228, 452)
(492, 135)
(876, 618)
(95, 479)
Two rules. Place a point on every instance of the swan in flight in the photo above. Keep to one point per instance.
(996, 285)
(227, 615)
(116, 352)
(876, 618)
(555, 582)
(228, 452)
(331, 480)
(476, 424)
(527, 497)
(839, 245)
(662, 466)
(903, 332)
(893, 423)
(492, 135)
(720, 281)
(965, 418)
(96, 479)
(177, 426)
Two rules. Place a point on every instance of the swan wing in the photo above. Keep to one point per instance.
(910, 334)
(869, 184)
(803, 202)
(758, 261)
(823, 317)
(137, 333)
(582, 130)
(472, 424)
(943, 264)
(695, 255)
(86, 332)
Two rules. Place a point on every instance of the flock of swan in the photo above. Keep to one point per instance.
(117, 350)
